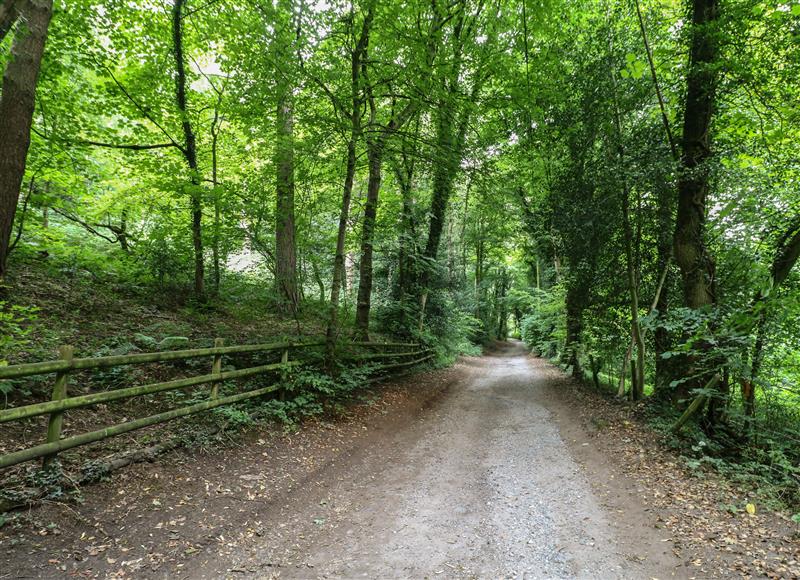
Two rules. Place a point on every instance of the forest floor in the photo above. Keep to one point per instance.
(497, 467)
(100, 316)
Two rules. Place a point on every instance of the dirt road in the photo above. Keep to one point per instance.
(473, 480)
(482, 485)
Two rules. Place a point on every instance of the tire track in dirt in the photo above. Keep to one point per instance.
(480, 486)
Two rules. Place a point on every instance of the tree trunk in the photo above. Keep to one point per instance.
(450, 136)
(596, 368)
(408, 242)
(450, 251)
(318, 279)
(574, 308)
(480, 254)
(691, 255)
(376, 140)
(16, 113)
(375, 149)
(665, 368)
(786, 256)
(375, 156)
(189, 150)
(215, 249)
(347, 192)
(442, 189)
(694, 261)
(637, 377)
(285, 246)
(9, 12)
(338, 261)
(662, 340)
(717, 405)
(502, 323)
(122, 235)
(442, 181)
(632, 263)
(755, 368)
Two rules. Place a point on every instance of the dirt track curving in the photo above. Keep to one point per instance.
(466, 475)
(481, 485)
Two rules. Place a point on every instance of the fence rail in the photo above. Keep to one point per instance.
(79, 364)
(67, 364)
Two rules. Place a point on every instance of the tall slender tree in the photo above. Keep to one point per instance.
(376, 136)
(189, 149)
(287, 30)
(359, 43)
(453, 111)
(690, 250)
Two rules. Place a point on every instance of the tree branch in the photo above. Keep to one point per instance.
(88, 226)
(139, 107)
(664, 118)
(131, 147)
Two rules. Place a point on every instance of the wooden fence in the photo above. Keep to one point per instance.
(67, 364)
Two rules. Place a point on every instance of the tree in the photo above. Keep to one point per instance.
(189, 149)
(691, 252)
(453, 112)
(17, 106)
(283, 47)
(359, 43)
(786, 255)
(376, 136)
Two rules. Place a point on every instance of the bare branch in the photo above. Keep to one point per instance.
(90, 227)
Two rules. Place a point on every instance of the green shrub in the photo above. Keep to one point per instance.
(15, 327)
(544, 330)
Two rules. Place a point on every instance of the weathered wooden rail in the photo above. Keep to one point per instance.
(67, 364)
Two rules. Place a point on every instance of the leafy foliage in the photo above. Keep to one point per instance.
(459, 173)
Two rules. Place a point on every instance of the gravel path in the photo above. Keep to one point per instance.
(480, 486)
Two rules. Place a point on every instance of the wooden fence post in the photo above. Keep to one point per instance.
(216, 368)
(56, 421)
(284, 360)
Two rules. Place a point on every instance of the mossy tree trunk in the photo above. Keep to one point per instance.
(189, 149)
(691, 254)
